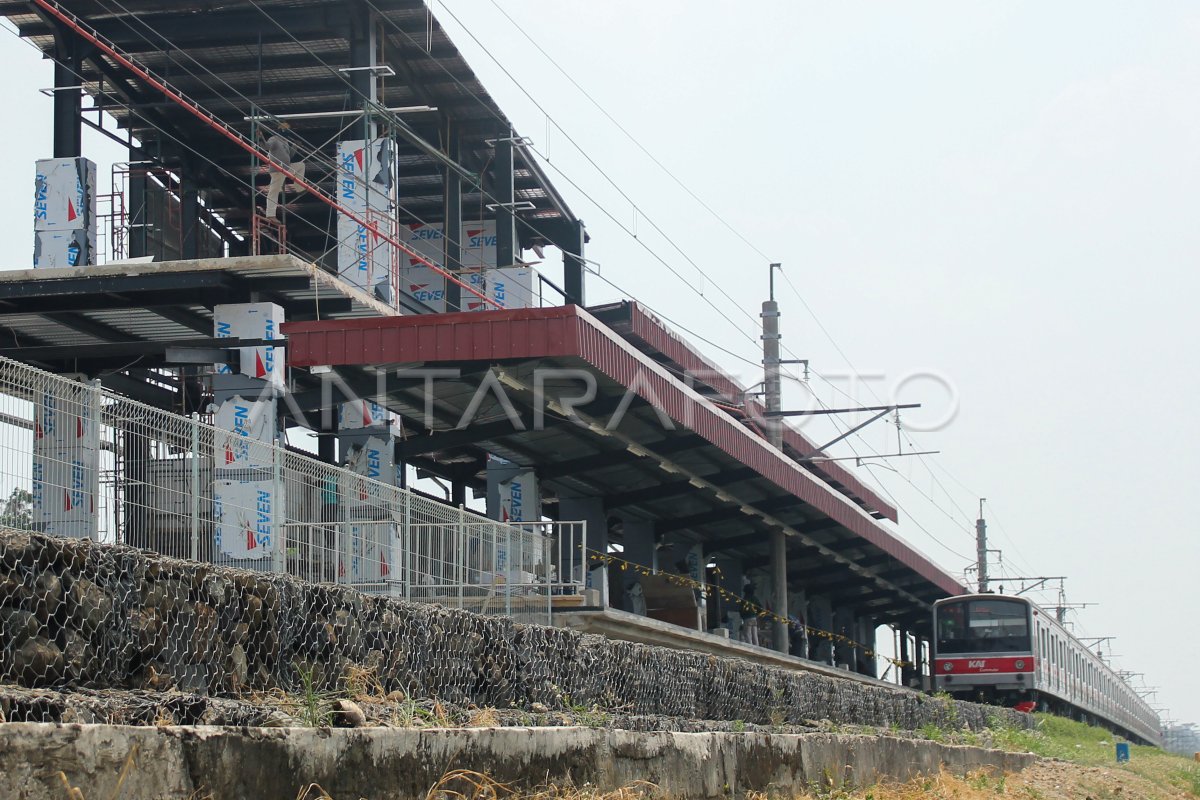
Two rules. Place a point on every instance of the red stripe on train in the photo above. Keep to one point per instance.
(984, 666)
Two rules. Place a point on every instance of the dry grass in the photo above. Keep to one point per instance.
(363, 685)
(484, 718)
(465, 784)
(1045, 780)
(75, 793)
(634, 791)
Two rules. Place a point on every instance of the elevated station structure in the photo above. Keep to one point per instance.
(528, 397)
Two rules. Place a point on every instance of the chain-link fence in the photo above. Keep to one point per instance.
(79, 461)
(96, 632)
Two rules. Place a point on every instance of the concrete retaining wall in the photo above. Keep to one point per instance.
(397, 764)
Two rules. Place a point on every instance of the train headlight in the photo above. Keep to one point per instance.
(948, 666)
(1020, 663)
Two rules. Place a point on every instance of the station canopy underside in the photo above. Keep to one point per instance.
(120, 322)
(242, 58)
(647, 443)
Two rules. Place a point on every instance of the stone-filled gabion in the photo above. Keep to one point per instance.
(75, 615)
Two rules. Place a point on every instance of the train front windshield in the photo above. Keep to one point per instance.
(983, 626)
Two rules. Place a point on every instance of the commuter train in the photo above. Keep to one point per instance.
(1006, 651)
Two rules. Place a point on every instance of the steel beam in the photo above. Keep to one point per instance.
(185, 318)
(569, 467)
(470, 435)
(159, 32)
(90, 327)
(637, 496)
(768, 505)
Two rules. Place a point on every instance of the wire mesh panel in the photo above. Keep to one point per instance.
(572, 570)
(78, 461)
(481, 566)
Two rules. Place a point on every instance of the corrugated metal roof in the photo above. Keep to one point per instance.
(570, 332)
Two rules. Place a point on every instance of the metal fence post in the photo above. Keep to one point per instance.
(406, 544)
(547, 550)
(341, 565)
(195, 486)
(96, 403)
(460, 562)
(503, 581)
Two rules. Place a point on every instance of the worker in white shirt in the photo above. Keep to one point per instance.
(281, 152)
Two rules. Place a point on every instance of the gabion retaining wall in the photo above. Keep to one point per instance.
(77, 615)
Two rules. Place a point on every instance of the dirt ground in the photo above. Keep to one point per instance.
(1048, 779)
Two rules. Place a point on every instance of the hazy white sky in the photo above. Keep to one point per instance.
(1000, 194)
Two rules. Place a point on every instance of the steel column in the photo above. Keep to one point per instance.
(68, 102)
(138, 215)
(573, 265)
(136, 506)
(505, 193)
(189, 213)
(779, 600)
(327, 445)
(363, 60)
(906, 667)
(452, 232)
